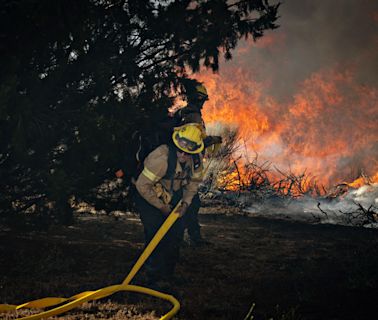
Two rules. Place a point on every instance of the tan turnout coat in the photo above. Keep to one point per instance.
(155, 189)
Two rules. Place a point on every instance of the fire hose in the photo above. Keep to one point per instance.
(72, 302)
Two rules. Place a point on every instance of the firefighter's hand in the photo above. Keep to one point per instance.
(211, 140)
(166, 210)
(181, 210)
(217, 139)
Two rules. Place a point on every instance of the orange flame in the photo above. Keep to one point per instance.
(361, 181)
(235, 102)
(328, 127)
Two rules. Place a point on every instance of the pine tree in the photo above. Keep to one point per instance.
(77, 77)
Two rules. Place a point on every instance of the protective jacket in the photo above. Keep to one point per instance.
(157, 189)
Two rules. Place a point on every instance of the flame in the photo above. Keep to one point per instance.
(359, 182)
(332, 126)
(305, 105)
(327, 127)
(235, 103)
(363, 180)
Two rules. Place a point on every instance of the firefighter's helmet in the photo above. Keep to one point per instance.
(202, 92)
(188, 138)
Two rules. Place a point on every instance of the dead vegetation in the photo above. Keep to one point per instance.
(236, 178)
(236, 171)
(358, 216)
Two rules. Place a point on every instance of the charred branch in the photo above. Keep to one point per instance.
(321, 210)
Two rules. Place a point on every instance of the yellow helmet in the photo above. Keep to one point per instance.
(202, 92)
(188, 138)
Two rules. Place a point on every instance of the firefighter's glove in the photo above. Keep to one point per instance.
(182, 209)
(217, 139)
(161, 193)
(211, 140)
(166, 210)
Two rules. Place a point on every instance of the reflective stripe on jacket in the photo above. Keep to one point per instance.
(155, 169)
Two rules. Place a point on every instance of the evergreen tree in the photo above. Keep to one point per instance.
(78, 77)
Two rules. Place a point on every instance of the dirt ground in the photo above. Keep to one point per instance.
(289, 270)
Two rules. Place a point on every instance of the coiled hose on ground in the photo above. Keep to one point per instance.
(74, 301)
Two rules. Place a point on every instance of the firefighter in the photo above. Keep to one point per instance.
(170, 173)
(196, 96)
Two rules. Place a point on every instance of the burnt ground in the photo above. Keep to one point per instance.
(289, 270)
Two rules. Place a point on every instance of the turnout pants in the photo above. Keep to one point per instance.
(162, 262)
(190, 219)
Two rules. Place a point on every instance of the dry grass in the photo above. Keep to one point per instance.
(289, 270)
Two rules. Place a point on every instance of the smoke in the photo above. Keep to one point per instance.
(305, 96)
(346, 210)
(316, 35)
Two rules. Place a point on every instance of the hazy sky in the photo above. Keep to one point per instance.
(314, 35)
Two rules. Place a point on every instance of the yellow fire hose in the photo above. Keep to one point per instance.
(82, 297)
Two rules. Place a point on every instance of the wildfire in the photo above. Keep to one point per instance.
(328, 127)
(235, 102)
(363, 180)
